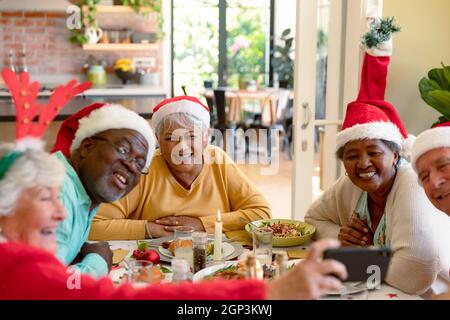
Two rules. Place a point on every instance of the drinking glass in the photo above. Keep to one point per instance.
(140, 272)
(183, 250)
(262, 245)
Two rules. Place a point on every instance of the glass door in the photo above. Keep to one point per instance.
(220, 42)
(326, 80)
(248, 38)
(195, 44)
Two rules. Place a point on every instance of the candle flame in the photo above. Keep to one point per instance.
(218, 215)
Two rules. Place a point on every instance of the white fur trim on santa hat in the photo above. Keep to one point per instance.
(114, 116)
(181, 106)
(383, 50)
(370, 130)
(428, 140)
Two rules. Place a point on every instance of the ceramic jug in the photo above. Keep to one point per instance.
(93, 35)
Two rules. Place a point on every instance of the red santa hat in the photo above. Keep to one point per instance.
(370, 117)
(97, 118)
(434, 138)
(181, 104)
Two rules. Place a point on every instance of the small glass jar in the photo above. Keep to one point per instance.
(200, 240)
(125, 35)
(180, 269)
(114, 36)
(281, 263)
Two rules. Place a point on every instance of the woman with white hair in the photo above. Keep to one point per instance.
(188, 182)
(30, 209)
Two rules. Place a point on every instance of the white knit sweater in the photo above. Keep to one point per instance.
(419, 233)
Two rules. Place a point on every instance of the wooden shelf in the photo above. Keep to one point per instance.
(117, 9)
(120, 47)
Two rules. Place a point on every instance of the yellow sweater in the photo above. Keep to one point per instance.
(220, 185)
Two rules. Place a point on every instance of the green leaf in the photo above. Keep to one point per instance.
(164, 269)
(285, 32)
(426, 87)
(143, 246)
(439, 76)
(446, 73)
(443, 97)
(265, 224)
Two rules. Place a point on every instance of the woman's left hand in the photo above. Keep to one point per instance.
(172, 222)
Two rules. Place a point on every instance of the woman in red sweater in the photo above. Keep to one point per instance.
(30, 211)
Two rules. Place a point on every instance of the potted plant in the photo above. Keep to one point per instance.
(88, 20)
(241, 64)
(435, 91)
(154, 6)
(137, 5)
(282, 62)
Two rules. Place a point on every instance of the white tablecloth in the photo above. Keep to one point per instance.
(386, 292)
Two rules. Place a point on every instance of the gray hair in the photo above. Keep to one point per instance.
(395, 148)
(32, 168)
(181, 119)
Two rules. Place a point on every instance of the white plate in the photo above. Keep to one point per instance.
(227, 250)
(199, 276)
(208, 271)
(349, 288)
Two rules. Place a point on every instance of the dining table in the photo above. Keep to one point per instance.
(125, 248)
(267, 97)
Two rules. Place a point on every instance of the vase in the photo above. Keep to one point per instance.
(243, 82)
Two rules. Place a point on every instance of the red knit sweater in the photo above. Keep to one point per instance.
(30, 273)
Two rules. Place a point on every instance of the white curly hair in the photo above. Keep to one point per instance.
(33, 167)
(180, 119)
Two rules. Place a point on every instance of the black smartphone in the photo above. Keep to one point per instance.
(362, 263)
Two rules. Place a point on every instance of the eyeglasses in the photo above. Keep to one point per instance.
(124, 154)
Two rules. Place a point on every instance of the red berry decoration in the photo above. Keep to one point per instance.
(137, 254)
(151, 255)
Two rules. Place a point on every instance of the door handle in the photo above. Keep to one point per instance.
(306, 115)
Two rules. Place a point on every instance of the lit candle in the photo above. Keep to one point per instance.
(218, 238)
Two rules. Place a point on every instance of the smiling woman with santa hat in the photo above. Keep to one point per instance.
(188, 182)
(378, 201)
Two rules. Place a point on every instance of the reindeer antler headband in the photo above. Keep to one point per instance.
(33, 119)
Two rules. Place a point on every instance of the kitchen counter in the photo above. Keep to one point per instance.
(141, 99)
(108, 90)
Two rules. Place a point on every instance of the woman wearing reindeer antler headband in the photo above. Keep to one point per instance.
(30, 209)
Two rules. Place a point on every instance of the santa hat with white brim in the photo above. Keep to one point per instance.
(370, 116)
(97, 118)
(435, 138)
(181, 104)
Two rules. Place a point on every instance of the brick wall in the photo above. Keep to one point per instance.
(45, 38)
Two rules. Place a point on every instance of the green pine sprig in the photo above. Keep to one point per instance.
(380, 31)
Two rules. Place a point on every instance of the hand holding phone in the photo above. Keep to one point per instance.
(369, 263)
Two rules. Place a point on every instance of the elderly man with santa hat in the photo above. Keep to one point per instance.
(105, 150)
(431, 161)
